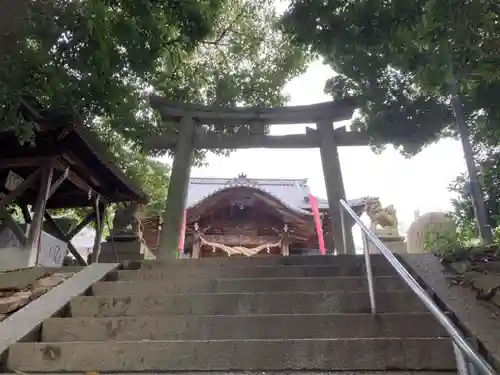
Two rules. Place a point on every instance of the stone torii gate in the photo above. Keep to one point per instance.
(195, 124)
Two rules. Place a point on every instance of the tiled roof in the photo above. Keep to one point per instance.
(292, 192)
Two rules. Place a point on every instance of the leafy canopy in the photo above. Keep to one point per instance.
(400, 56)
(99, 59)
(246, 61)
(94, 57)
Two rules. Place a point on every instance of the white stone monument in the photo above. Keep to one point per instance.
(429, 225)
(14, 256)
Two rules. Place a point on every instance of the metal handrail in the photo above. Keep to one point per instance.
(461, 346)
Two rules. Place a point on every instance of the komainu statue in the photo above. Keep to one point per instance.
(384, 220)
(127, 223)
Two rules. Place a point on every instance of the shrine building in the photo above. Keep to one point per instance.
(246, 217)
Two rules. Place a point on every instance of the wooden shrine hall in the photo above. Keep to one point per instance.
(195, 127)
(247, 217)
(64, 166)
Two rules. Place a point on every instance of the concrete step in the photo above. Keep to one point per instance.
(217, 272)
(263, 373)
(270, 260)
(234, 355)
(298, 284)
(111, 258)
(243, 304)
(240, 327)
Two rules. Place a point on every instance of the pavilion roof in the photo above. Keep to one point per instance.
(92, 170)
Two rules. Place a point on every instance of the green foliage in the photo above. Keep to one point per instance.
(441, 243)
(485, 140)
(463, 259)
(461, 256)
(99, 59)
(153, 175)
(496, 235)
(94, 57)
(246, 61)
(400, 56)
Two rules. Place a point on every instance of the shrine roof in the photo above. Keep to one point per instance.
(293, 193)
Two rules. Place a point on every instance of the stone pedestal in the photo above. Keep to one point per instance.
(126, 250)
(394, 243)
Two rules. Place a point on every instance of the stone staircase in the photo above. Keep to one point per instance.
(269, 314)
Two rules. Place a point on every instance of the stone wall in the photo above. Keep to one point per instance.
(19, 287)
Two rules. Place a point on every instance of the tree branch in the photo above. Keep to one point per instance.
(224, 32)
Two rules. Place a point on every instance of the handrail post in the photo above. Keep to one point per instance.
(369, 274)
(463, 367)
(343, 226)
(368, 263)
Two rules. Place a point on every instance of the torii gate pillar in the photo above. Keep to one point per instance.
(177, 190)
(334, 186)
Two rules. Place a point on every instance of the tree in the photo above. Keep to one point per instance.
(246, 61)
(400, 56)
(153, 175)
(94, 57)
(485, 141)
(411, 62)
(99, 59)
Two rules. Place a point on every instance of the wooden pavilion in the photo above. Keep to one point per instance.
(64, 166)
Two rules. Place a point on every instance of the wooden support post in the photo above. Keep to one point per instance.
(177, 190)
(285, 246)
(34, 232)
(100, 213)
(58, 182)
(327, 239)
(26, 213)
(196, 245)
(334, 186)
